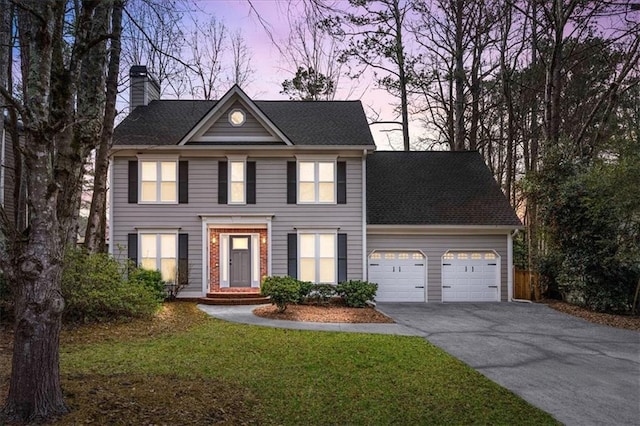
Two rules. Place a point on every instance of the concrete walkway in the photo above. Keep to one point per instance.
(579, 372)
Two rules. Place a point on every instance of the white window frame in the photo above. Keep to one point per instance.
(158, 261)
(317, 233)
(158, 162)
(316, 179)
(230, 181)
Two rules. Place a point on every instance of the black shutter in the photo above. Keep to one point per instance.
(292, 255)
(183, 182)
(342, 182)
(251, 182)
(342, 257)
(183, 258)
(222, 182)
(291, 182)
(133, 181)
(132, 249)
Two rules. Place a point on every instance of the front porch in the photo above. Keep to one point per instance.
(237, 259)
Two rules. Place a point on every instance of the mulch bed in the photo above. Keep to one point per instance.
(332, 313)
(613, 320)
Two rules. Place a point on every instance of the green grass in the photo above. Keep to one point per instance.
(301, 377)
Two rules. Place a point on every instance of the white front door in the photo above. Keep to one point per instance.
(400, 275)
(470, 277)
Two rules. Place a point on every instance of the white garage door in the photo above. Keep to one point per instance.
(400, 275)
(470, 277)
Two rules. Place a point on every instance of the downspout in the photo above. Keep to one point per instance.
(110, 206)
(364, 215)
(510, 268)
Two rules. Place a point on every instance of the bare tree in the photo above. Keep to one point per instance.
(207, 45)
(61, 124)
(241, 70)
(374, 32)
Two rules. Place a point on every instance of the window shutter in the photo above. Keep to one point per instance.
(251, 182)
(292, 255)
(342, 257)
(132, 248)
(183, 258)
(183, 182)
(291, 182)
(222, 182)
(342, 182)
(133, 181)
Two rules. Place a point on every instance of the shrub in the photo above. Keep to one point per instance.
(321, 293)
(95, 290)
(281, 290)
(305, 291)
(151, 280)
(356, 293)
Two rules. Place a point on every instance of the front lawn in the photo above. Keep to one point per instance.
(198, 370)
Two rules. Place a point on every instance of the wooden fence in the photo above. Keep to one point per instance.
(526, 285)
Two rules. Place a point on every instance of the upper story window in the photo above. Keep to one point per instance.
(158, 183)
(237, 179)
(317, 182)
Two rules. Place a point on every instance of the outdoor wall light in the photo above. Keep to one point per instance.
(264, 240)
(214, 240)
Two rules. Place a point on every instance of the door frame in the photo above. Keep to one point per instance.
(249, 249)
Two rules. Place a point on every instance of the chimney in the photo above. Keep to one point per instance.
(144, 88)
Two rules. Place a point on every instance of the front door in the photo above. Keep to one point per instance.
(240, 261)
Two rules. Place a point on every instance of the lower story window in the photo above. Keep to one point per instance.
(158, 251)
(317, 257)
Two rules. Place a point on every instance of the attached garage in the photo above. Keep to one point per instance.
(470, 276)
(400, 275)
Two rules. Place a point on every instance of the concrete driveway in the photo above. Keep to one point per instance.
(581, 373)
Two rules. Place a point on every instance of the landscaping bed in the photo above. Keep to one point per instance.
(613, 320)
(334, 312)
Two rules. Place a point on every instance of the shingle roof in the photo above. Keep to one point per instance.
(166, 122)
(434, 188)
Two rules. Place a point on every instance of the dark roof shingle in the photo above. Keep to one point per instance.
(434, 188)
(166, 122)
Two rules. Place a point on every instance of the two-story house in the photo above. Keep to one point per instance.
(222, 193)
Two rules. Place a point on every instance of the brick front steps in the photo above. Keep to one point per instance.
(227, 298)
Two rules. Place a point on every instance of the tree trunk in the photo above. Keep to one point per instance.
(459, 78)
(402, 78)
(96, 225)
(35, 393)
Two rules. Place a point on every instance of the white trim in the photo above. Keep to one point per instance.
(236, 139)
(240, 221)
(225, 102)
(439, 229)
(204, 150)
(510, 265)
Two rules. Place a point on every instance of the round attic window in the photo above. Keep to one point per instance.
(237, 117)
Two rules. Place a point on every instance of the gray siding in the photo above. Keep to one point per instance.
(251, 127)
(434, 246)
(271, 198)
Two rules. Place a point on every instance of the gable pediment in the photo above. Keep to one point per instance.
(235, 119)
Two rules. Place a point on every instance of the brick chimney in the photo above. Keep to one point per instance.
(144, 88)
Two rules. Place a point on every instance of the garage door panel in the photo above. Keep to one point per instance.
(470, 277)
(401, 276)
